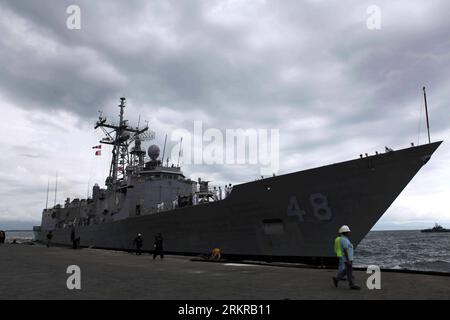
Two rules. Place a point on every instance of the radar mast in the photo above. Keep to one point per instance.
(119, 136)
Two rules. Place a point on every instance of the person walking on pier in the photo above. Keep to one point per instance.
(2, 236)
(138, 243)
(346, 259)
(76, 243)
(338, 252)
(49, 238)
(158, 247)
(74, 239)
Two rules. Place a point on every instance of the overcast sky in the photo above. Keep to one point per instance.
(312, 69)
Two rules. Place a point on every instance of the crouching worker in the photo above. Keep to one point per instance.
(215, 254)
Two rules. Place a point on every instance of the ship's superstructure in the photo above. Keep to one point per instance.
(287, 217)
(134, 186)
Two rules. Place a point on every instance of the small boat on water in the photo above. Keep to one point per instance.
(436, 228)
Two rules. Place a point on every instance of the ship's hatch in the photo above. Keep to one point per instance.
(273, 226)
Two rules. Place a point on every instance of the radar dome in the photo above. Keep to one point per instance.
(153, 152)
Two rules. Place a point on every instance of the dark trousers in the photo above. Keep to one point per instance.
(347, 271)
(158, 252)
(138, 250)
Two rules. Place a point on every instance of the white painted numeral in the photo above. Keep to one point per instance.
(294, 209)
(319, 202)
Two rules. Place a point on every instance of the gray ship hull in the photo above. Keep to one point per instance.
(290, 217)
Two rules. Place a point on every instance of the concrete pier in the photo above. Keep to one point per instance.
(37, 272)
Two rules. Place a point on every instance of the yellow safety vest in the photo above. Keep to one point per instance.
(337, 247)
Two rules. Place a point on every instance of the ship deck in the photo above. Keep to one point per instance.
(37, 272)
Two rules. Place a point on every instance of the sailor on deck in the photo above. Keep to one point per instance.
(228, 189)
(215, 194)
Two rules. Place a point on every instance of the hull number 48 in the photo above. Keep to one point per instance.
(318, 203)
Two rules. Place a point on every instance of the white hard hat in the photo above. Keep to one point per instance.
(139, 234)
(344, 228)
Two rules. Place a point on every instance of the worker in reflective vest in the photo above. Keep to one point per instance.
(338, 251)
(337, 246)
(346, 259)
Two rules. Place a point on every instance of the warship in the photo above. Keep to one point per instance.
(289, 217)
(436, 229)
